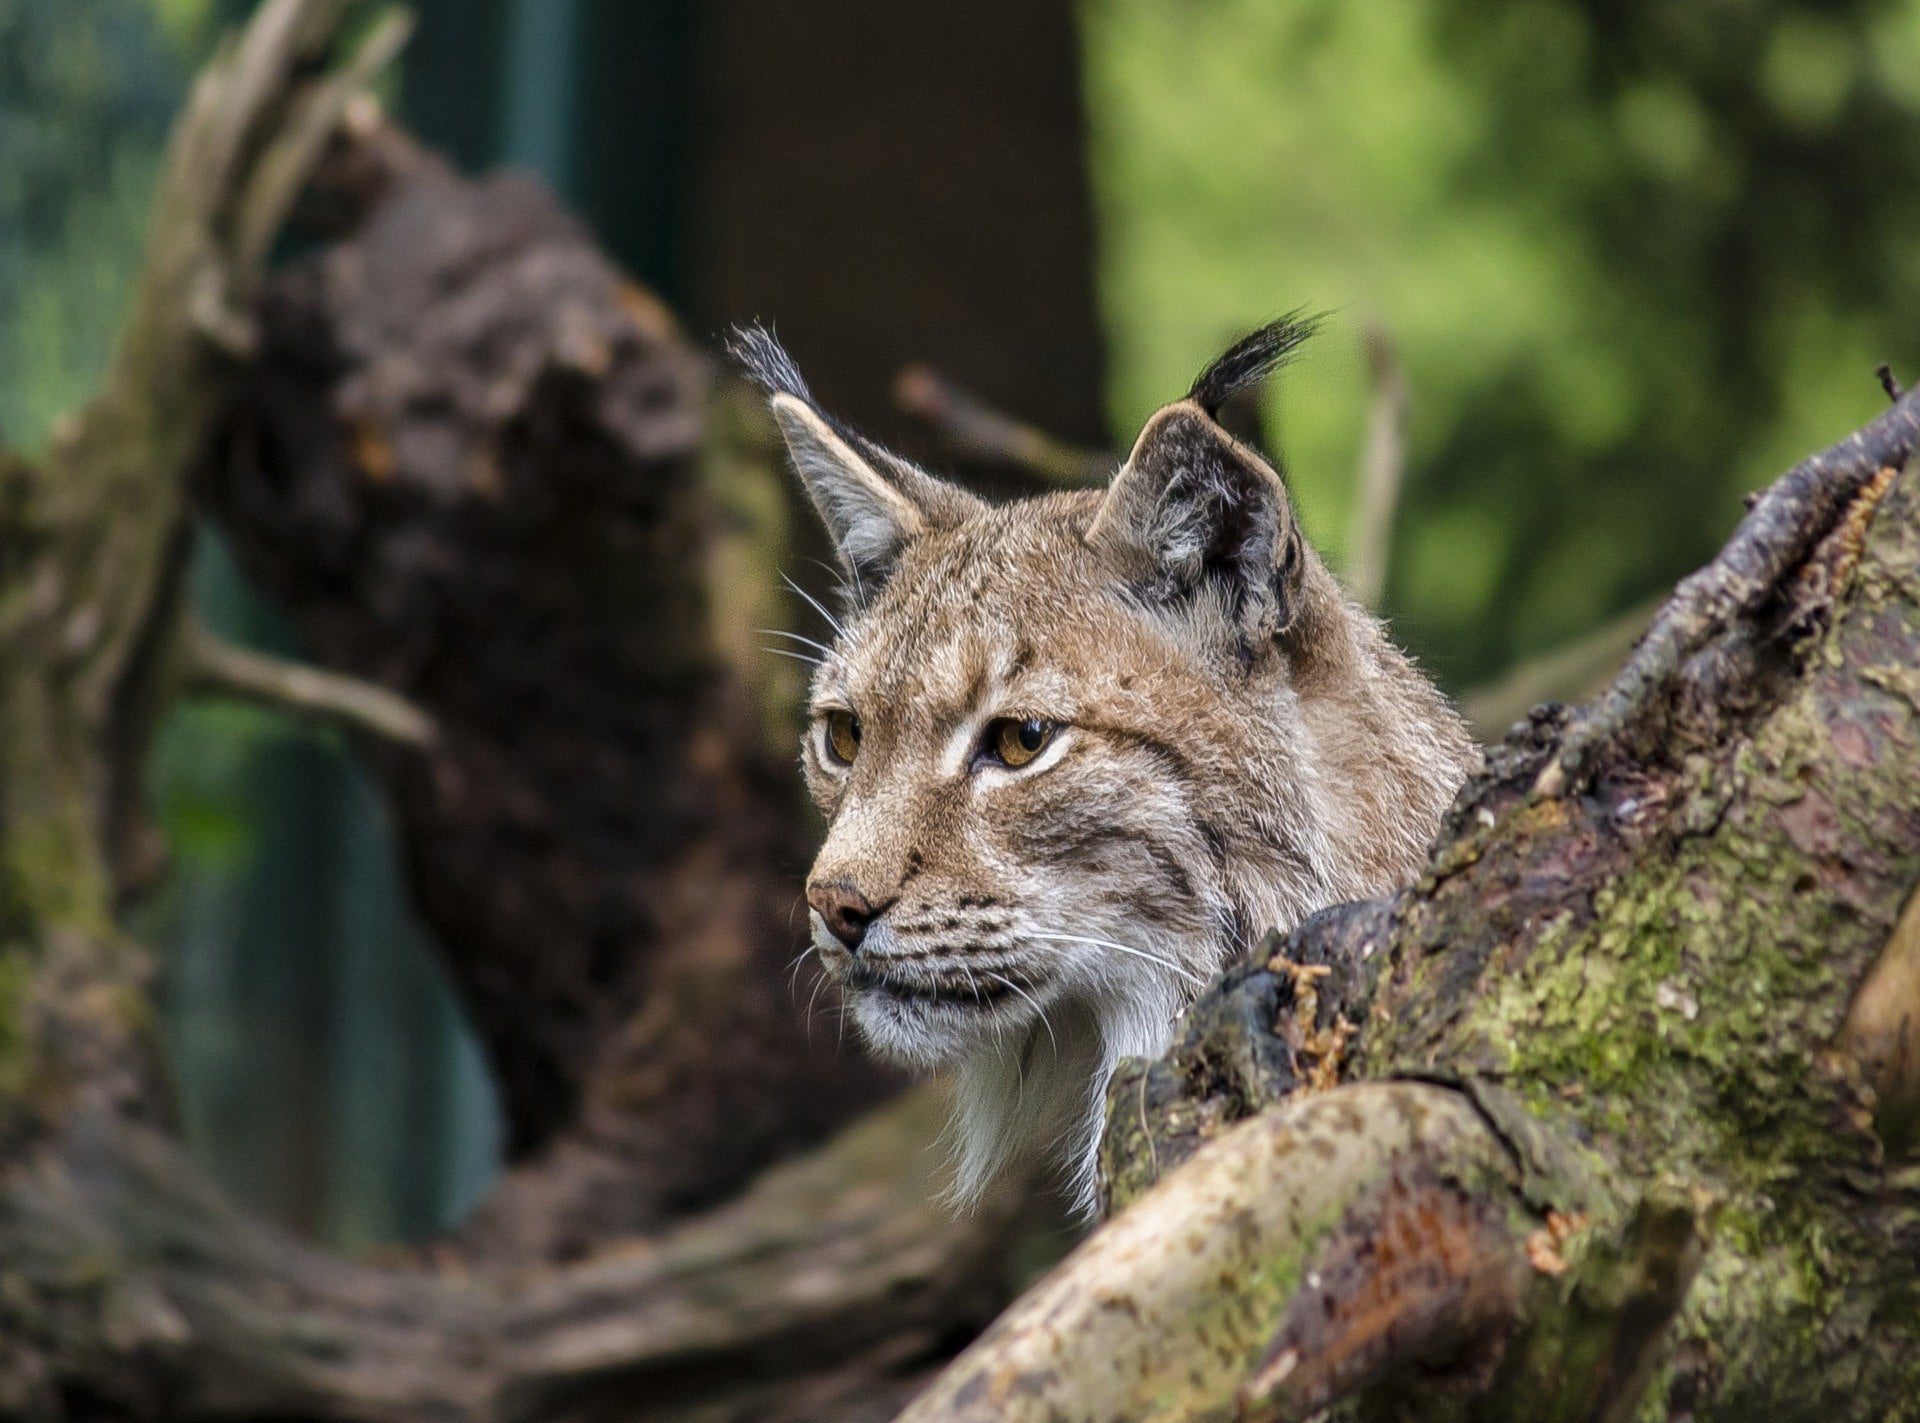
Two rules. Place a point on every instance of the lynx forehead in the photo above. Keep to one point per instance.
(1076, 752)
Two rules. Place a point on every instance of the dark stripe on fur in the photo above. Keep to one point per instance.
(1170, 757)
(1081, 841)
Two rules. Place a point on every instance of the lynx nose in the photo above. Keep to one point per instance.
(845, 910)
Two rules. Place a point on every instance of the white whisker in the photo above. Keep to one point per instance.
(814, 602)
(813, 998)
(1195, 979)
(819, 647)
(1038, 1011)
(840, 575)
(796, 656)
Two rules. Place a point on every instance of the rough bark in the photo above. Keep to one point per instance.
(128, 1286)
(91, 551)
(135, 1289)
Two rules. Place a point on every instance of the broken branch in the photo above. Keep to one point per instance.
(975, 428)
(220, 668)
(1775, 535)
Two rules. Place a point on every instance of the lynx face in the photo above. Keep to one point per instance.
(1076, 752)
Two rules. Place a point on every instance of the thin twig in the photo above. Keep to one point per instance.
(313, 116)
(975, 428)
(1889, 382)
(220, 668)
(1383, 470)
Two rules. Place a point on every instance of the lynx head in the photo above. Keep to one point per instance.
(1076, 751)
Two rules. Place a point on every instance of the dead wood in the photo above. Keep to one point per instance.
(128, 1286)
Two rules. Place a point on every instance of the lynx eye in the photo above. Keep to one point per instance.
(843, 737)
(1015, 743)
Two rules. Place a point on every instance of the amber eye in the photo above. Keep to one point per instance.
(843, 736)
(1014, 743)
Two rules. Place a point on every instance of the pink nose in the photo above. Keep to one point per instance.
(845, 911)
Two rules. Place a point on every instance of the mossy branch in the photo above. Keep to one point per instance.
(95, 537)
(102, 521)
(1776, 534)
(1350, 1244)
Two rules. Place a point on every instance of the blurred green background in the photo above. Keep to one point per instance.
(1635, 259)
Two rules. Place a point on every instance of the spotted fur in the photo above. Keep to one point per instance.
(1237, 746)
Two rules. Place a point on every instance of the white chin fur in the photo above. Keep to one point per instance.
(1030, 1077)
(1038, 1095)
(930, 1036)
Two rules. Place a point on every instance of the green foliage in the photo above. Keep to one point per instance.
(1638, 258)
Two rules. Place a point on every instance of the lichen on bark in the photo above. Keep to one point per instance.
(1682, 1012)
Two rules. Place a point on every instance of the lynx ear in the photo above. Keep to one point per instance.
(872, 502)
(1193, 510)
(869, 519)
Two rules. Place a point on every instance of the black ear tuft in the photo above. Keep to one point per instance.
(766, 362)
(871, 501)
(1251, 360)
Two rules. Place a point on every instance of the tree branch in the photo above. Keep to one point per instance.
(219, 668)
(975, 428)
(1383, 471)
(129, 1277)
(1776, 534)
(91, 585)
(1329, 1246)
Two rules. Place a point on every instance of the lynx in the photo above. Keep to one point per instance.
(1075, 752)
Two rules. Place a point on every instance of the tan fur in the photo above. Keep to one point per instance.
(1224, 765)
